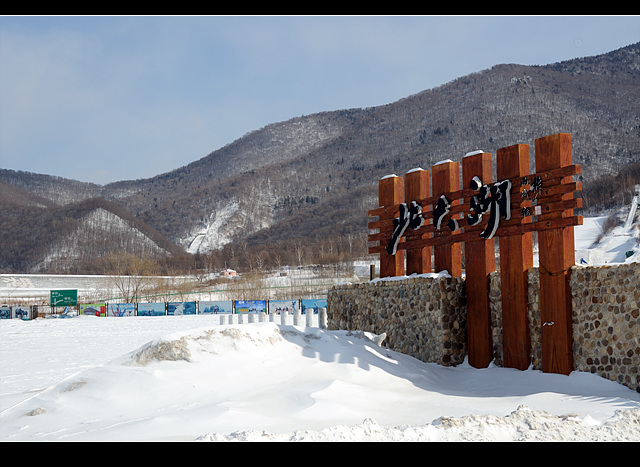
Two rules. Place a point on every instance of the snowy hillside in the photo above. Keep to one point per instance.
(597, 245)
(213, 233)
(95, 232)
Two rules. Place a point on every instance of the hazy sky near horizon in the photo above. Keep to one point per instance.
(107, 98)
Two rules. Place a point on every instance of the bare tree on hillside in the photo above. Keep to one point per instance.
(131, 274)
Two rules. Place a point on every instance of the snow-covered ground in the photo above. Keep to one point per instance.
(620, 245)
(190, 378)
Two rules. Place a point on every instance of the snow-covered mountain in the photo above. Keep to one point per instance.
(313, 178)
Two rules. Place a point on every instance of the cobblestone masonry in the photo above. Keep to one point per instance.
(533, 312)
(425, 317)
(422, 316)
(606, 322)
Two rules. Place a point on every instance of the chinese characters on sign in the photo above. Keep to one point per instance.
(483, 205)
(409, 217)
(535, 187)
(494, 199)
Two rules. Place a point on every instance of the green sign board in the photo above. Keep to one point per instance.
(64, 297)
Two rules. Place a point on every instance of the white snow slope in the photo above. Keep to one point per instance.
(179, 378)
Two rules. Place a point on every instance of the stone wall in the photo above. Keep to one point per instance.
(425, 317)
(606, 322)
(533, 312)
(422, 316)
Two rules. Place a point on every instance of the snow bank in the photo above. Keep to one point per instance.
(180, 378)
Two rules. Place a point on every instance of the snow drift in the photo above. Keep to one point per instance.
(270, 382)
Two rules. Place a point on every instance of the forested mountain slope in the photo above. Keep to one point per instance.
(315, 177)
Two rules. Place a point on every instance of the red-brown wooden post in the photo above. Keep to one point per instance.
(445, 178)
(479, 257)
(557, 255)
(416, 187)
(516, 257)
(390, 192)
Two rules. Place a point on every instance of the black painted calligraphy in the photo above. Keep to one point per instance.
(479, 205)
(499, 206)
(496, 200)
(440, 211)
(535, 187)
(409, 217)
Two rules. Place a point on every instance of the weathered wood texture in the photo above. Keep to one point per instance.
(556, 256)
(516, 258)
(479, 263)
(390, 193)
(416, 187)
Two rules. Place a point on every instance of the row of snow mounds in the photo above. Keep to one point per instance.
(523, 424)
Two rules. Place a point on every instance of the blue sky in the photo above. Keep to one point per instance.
(102, 99)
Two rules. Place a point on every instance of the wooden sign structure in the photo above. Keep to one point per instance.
(411, 223)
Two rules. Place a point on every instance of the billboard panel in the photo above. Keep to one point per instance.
(283, 306)
(95, 309)
(251, 306)
(313, 305)
(151, 309)
(121, 309)
(181, 308)
(215, 307)
(21, 312)
(5, 312)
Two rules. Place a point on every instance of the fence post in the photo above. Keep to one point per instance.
(390, 192)
(309, 313)
(322, 318)
(416, 187)
(480, 261)
(445, 178)
(296, 317)
(556, 255)
(516, 257)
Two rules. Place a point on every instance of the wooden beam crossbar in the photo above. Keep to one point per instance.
(541, 211)
(554, 177)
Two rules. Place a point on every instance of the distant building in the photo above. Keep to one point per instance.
(228, 273)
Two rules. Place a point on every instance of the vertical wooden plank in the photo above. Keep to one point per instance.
(390, 192)
(445, 178)
(516, 257)
(416, 187)
(479, 263)
(557, 255)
